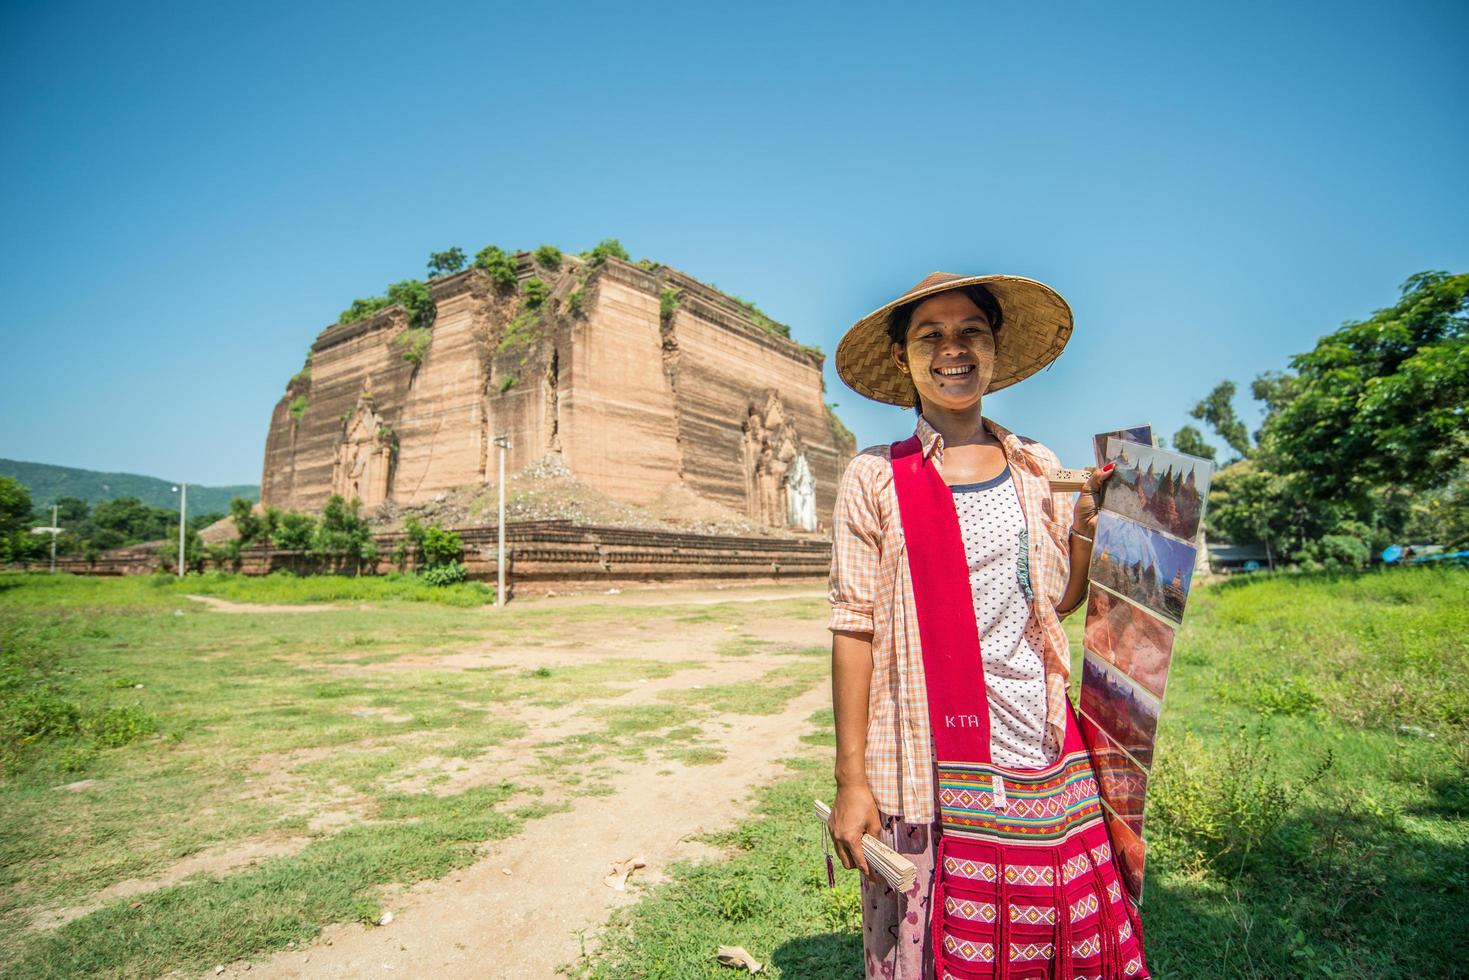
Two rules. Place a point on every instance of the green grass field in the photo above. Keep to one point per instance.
(340, 750)
(1306, 815)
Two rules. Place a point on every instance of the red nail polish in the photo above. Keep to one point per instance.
(1108, 467)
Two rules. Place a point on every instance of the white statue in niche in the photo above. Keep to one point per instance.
(801, 495)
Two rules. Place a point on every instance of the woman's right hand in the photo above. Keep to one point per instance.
(853, 814)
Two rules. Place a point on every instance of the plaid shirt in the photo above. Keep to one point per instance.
(871, 592)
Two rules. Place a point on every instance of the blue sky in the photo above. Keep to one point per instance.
(192, 191)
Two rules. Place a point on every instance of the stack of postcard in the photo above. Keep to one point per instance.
(1142, 565)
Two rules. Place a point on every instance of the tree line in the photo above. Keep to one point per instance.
(89, 529)
(338, 535)
(1364, 441)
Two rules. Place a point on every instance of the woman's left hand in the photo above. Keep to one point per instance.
(1084, 522)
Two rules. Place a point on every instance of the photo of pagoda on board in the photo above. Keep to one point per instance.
(1146, 566)
(1142, 434)
(1136, 642)
(1125, 711)
(1160, 489)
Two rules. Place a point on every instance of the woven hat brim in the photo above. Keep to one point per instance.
(1036, 327)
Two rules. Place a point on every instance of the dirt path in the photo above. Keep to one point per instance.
(225, 606)
(518, 911)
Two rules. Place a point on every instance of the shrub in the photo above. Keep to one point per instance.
(361, 309)
(536, 292)
(521, 331)
(762, 320)
(1336, 552)
(447, 573)
(413, 296)
(668, 302)
(441, 546)
(548, 256)
(413, 344)
(298, 407)
(605, 249)
(498, 264)
(1227, 804)
(575, 302)
(116, 725)
(410, 294)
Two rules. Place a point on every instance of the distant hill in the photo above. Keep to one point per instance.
(46, 482)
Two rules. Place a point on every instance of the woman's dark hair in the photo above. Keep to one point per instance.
(979, 295)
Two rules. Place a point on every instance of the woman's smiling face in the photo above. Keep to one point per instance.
(950, 351)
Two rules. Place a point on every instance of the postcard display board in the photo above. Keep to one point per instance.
(1142, 565)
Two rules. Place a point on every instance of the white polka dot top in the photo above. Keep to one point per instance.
(1009, 637)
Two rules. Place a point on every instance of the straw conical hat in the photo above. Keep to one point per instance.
(1036, 324)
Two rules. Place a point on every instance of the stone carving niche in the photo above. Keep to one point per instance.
(364, 463)
(780, 489)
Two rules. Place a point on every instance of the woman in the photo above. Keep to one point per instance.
(899, 702)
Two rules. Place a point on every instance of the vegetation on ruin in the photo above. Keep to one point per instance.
(535, 292)
(668, 301)
(838, 427)
(762, 320)
(576, 301)
(411, 294)
(522, 330)
(297, 408)
(499, 264)
(607, 248)
(412, 343)
(1347, 795)
(1363, 442)
(446, 263)
(548, 257)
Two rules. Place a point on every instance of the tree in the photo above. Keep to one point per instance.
(1381, 402)
(446, 263)
(1190, 440)
(15, 520)
(132, 521)
(294, 532)
(250, 526)
(342, 532)
(1217, 409)
(15, 506)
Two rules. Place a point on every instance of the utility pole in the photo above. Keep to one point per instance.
(53, 530)
(183, 516)
(503, 443)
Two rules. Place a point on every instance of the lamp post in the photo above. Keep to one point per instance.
(503, 443)
(53, 530)
(183, 491)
